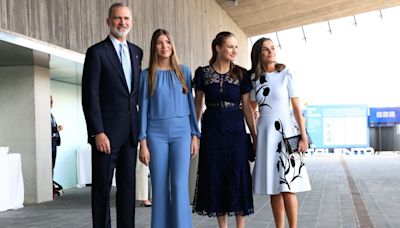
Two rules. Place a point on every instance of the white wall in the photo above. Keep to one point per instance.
(25, 126)
(67, 110)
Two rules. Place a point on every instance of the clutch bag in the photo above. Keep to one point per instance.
(292, 143)
(251, 152)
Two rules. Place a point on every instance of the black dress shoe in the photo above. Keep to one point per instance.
(142, 204)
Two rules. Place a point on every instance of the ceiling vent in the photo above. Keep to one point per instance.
(233, 2)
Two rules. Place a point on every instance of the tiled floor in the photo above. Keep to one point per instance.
(330, 204)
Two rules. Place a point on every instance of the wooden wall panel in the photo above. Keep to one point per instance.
(77, 24)
(18, 16)
(191, 26)
(3, 13)
(74, 38)
(59, 22)
(41, 14)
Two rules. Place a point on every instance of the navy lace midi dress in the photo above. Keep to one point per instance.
(224, 184)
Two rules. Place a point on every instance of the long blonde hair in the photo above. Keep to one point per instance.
(154, 59)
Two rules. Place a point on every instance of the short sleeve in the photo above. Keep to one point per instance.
(198, 80)
(245, 84)
(291, 85)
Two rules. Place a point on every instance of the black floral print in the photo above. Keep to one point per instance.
(288, 163)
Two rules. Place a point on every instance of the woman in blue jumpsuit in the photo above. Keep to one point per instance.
(168, 132)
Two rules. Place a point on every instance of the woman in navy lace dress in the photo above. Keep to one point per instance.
(224, 180)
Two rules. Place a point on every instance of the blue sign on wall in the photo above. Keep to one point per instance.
(385, 116)
(338, 126)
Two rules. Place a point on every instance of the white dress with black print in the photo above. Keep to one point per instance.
(276, 171)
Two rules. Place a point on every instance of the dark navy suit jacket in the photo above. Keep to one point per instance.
(107, 104)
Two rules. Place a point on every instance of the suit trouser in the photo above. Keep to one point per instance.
(169, 144)
(53, 152)
(103, 165)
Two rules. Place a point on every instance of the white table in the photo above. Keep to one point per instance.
(12, 184)
(84, 166)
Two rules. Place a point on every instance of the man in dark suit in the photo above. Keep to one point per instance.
(110, 85)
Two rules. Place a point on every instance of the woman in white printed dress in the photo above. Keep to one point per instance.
(277, 172)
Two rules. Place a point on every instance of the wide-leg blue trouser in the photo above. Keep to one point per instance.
(169, 145)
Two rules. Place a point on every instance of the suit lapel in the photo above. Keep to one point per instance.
(113, 58)
(134, 59)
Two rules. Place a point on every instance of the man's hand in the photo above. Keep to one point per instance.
(102, 143)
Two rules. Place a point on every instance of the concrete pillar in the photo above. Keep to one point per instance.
(25, 121)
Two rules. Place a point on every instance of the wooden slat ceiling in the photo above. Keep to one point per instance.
(256, 17)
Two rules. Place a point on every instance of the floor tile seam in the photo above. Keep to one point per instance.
(374, 201)
(324, 189)
(381, 210)
(360, 209)
(250, 218)
(321, 201)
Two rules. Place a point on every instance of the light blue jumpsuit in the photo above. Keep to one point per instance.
(168, 121)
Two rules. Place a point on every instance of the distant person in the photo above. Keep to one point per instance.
(168, 132)
(110, 83)
(277, 172)
(55, 135)
(224, 179)
(55, 142)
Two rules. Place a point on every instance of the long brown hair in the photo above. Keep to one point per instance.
(257, 66)
(173, 61)
(234, 71)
